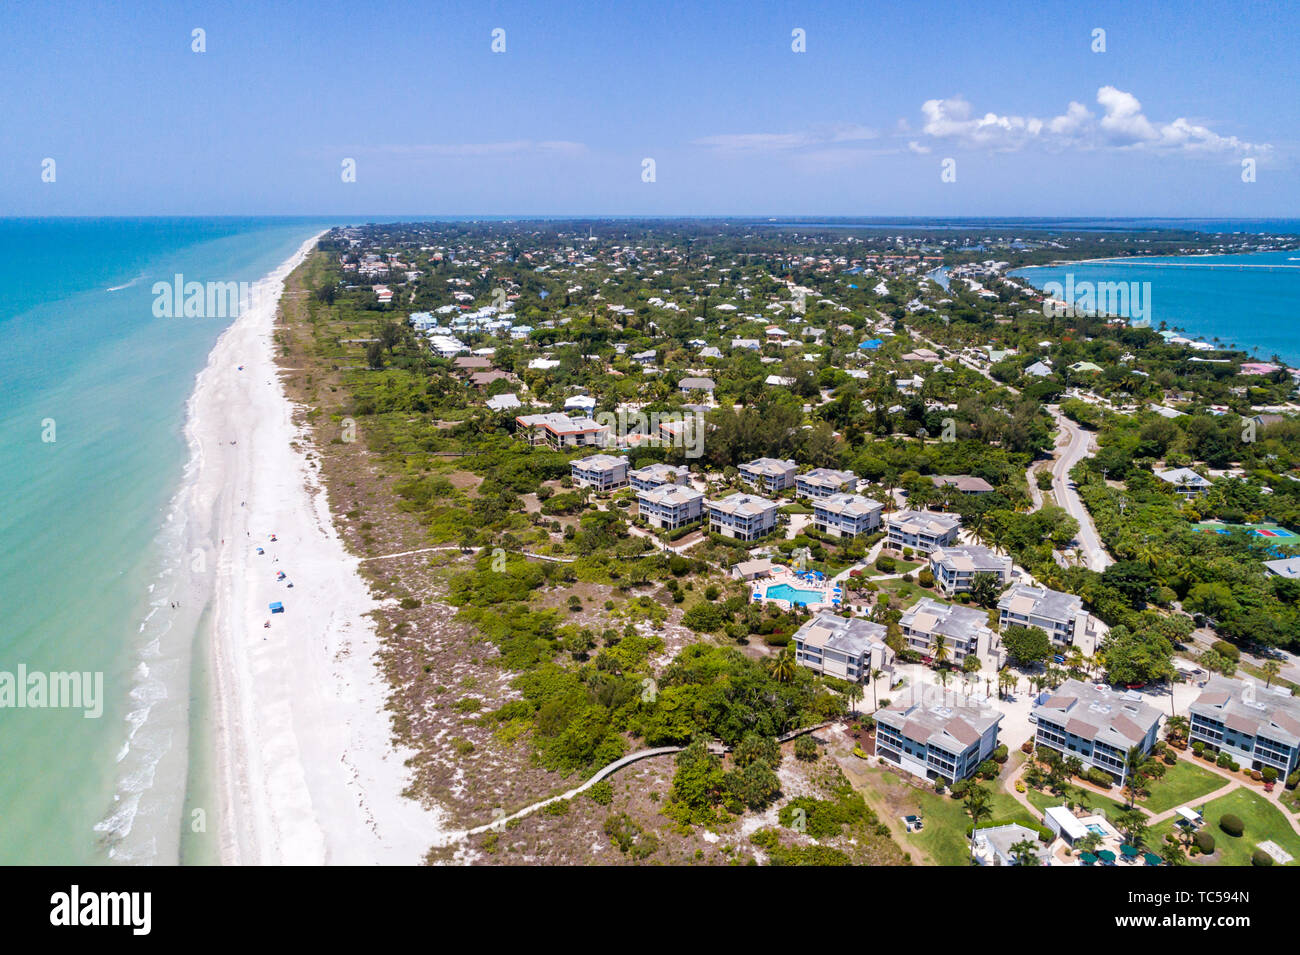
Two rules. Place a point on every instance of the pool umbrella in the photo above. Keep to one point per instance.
(1105, 855)
(1152, 858)
(1088, 858)
(1129, 851)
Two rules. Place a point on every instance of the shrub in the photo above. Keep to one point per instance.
(885, 564)
(1269, 774)
(1256, 775)
(987, 769)
(601, 793)
(1224, 761)
(1293, 780)
(805, 749)
(1232, 825)
(925, 577)
(1099, 777)
(1198, 747)
(1204, 841)
(1226, 649)
(959, 789)
(1000, 754)
(1260, 857)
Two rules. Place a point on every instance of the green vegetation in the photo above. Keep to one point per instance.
(1183, 784)
(1261, 822)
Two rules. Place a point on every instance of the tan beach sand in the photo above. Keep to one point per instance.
(307, 773)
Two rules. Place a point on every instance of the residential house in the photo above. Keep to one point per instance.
(954, 568)
(771, 474)
(1186, 482)
(560, 431)
(604, 472)
(965, 631)
(742, 516)
(922, 531)
(687, 385)
(849, 648)
(846, 515)
(1096, 724)
(936, 736)
(670, 506)
(823, 482)
(1061, 616)
(1256, 726)
(963, 483)
(653, 475)
(1288, 568)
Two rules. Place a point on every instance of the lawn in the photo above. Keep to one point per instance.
(1263, 822)
(1183, 783)
(943, 840)
(1043, 800)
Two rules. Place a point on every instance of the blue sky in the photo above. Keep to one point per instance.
(736, 122)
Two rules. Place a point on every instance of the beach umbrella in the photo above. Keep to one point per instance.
(1128, 850)
(1088, 858)
(1151, 858)
(1105, 855)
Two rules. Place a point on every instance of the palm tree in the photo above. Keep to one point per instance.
(875, 689)
(783, 666)
(977, 807)
(976, 525)
(941, 652)
(855, 693)
(1089, 843)
(1136, 766)
(1006, 680)
(1271, 668)
(1176, 728)
(1025, 853)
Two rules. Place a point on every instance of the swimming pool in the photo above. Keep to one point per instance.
(795, 595)
(1093, 827)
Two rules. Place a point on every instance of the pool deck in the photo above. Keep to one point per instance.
(787, 577)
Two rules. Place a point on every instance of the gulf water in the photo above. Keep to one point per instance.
(1248, 301)
(93, 393)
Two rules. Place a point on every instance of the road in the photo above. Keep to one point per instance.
(1079, 446)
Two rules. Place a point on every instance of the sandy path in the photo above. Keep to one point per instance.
(307, 773)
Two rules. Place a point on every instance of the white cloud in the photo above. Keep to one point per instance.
(1121, 125)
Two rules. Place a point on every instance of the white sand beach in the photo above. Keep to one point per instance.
(307, 773)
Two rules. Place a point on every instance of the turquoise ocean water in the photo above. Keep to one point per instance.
(90, 559)
(1248, 301)
(93, 392)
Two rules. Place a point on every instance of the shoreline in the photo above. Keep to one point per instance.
(1243, 348)
(305, 770)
